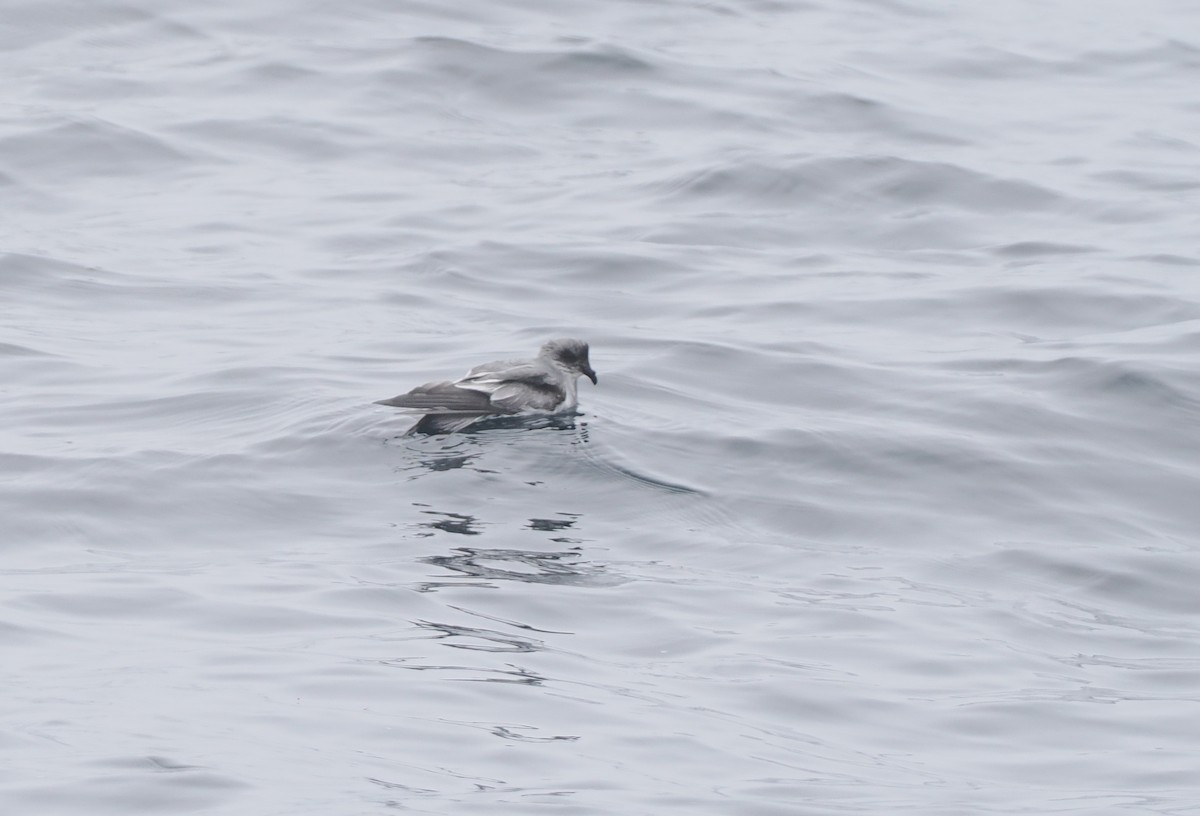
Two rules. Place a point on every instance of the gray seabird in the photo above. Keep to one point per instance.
(546, 384)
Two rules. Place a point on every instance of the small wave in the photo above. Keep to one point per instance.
(65, 151)
(881, 183)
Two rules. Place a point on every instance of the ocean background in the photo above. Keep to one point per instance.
(887, 501)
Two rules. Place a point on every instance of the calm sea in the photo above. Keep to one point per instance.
(887, 501)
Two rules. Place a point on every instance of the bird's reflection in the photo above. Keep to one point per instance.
(553, 525)
(527, 566)
(510, 674)
(493, 641)
(462, 450)
(457, 523)
(514, 734)
(554, 422)
(438, 464)
(550, 525)
(564, 566)
(438, 454)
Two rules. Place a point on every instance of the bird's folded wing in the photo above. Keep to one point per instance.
(492, 388)
(445, 398)
(489, 376)
(517, 397)
(520, 387)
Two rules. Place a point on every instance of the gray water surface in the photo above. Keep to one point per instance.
(887, 501)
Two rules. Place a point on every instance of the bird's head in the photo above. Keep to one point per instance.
(571, 355)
